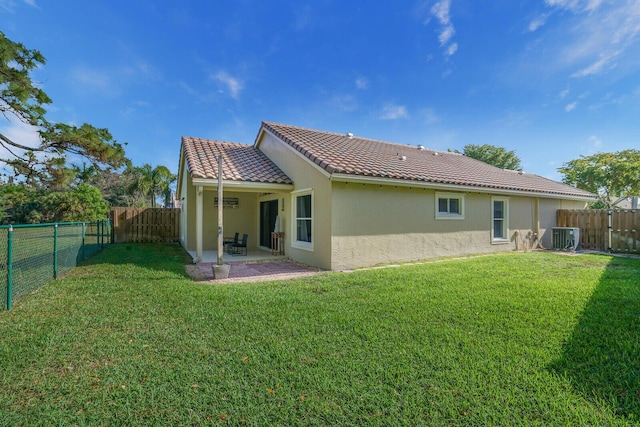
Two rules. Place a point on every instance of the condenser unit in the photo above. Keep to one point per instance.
(565, 238)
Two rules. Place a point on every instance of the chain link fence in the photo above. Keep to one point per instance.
(32, 255)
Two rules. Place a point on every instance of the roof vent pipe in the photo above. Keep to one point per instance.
(420, 147)
(349, 135)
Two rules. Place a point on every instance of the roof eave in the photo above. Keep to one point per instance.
(181, 163)
(243, 186)
(339, 177)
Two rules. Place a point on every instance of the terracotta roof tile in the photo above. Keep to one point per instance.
(241, 162)
(352, 155)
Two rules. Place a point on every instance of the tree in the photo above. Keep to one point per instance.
(153, 183)
(496, 156)
(25, 205)
(82, 203)
(612, 176)
(113, 185)
(20, 98)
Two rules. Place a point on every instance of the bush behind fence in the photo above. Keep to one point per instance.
(32, 255)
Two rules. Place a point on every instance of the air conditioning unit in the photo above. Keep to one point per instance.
(565, 238)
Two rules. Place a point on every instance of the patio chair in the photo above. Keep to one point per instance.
(241, 248)
(228, 243)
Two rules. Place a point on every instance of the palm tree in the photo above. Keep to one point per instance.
(152, 182)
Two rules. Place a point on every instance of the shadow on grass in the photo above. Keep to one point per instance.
(602, 356)
(165, 257)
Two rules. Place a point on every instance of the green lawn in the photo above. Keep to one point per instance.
(511, 339)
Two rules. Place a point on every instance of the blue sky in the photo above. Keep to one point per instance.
(550, 79)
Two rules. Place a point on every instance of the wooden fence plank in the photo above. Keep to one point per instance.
(145, 225)
(603, 230)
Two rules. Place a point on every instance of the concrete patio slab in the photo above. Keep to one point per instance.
(249, 271)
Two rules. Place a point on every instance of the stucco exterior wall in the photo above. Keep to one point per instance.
(304, 176)
(548, 209)
(375, 224)
(242, 219)
(188, 213)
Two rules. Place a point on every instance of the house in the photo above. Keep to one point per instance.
(344, 201)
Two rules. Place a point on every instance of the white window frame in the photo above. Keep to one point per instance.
(295, 243)
(449, 196)
(505, 239)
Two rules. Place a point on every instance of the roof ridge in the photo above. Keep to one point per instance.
(195, 138)
(354, 136)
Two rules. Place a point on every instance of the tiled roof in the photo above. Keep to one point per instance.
(352, 155)
(241, 162)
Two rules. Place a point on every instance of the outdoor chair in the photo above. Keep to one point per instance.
(241, 248)
(228, 243)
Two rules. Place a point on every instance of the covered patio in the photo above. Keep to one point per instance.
(254, 194)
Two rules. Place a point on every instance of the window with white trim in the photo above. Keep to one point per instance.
(303, 224)
(449, 206)
(499, 220)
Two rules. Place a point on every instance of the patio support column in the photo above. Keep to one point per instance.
(220, 211)
(199, 221)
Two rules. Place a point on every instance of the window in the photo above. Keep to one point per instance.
(303, 205)
(499, 220)
(449, 206)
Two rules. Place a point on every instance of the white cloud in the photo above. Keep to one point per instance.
(570, 107)
(362, 83)
(20, 133)
(344, 102)
(598, 36)
(93, 79)
(9, 5)
(600, 65)
(595, 141)
(575, 5)
(442, 12)
(232, 84)
(394, 112)
(538, 22)
(446, 34)
(564, 94)
(452, 49)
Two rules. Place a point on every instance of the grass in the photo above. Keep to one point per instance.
(512, 339)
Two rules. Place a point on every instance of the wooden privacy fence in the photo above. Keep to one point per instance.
(145, 225)
(604, 230)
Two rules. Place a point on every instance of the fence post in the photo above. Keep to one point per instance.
(55, 251)
(10, 267)
(609, 228)
(84, 230)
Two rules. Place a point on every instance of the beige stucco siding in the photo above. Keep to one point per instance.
(188, 212)
(243, 219)
(305, 176)
(375, 224)
(548, 209)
